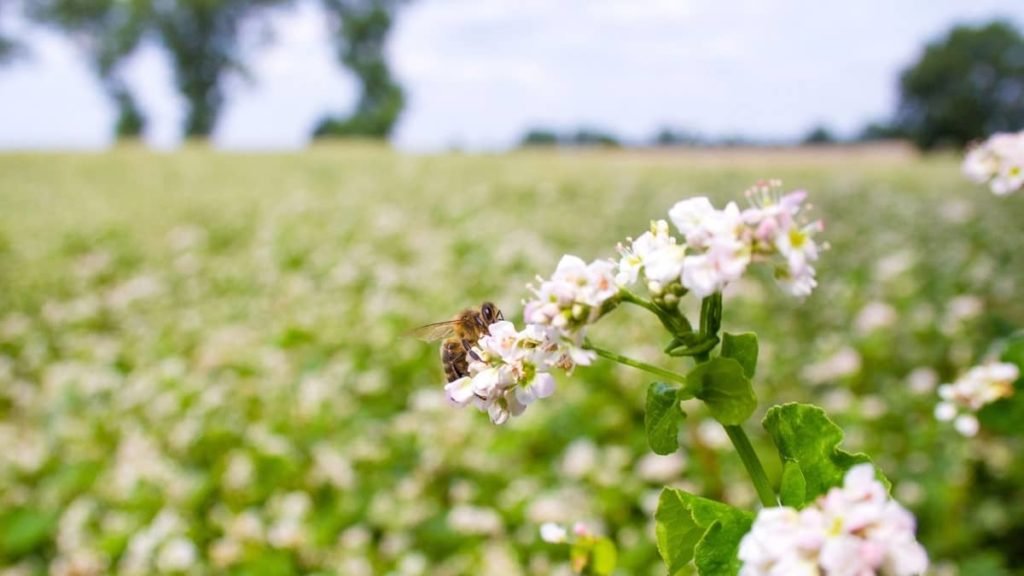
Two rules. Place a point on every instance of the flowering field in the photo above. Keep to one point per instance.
(206, 367)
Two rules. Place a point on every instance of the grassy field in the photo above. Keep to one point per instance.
(204, 365)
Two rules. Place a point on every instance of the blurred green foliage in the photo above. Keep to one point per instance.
(203, 360)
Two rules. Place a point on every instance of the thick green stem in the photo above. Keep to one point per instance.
(710, 321)
(753, 465)
(666, 374)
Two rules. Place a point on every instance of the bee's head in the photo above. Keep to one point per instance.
(490, 314)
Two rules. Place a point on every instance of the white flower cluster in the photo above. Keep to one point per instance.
(718, 245)
(511, 368)
(572, 299)
(855, 530)
(981, 385)
(999, 162)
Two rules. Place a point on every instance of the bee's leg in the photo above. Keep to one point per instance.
(469, 350)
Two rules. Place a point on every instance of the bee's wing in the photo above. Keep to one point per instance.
(435, 331)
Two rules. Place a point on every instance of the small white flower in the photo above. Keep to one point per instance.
(691, 217)
(654, 252)
(177, 555)
(460, 391)
(975, 389)
(552, 533)
(967, 425)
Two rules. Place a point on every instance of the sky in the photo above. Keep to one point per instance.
(479, 73)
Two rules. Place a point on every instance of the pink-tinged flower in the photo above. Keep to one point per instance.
(854, 530)
(573, 297)
(721, 244)
(977, 388)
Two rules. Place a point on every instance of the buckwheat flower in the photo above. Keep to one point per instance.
(999, 162)
(577, 295)
(177, 555)
(977, 388)
(855, 530)
(719, 244)
(553, 533)
(799, 250)
(782, 542)
(509, 370)
(724, 261)
(778, 231)
(655, 252)
(692, 217)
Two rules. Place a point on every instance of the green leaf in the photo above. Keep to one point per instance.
(793, 489)
(689, 528)
(723, 386)
(743, 349)
(23, 530)
(806, 437)
(718, 552)
(662, 418)
(604, 557)
(676, 530)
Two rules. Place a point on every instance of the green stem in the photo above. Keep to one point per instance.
(750, 460)
(628, 296)
(666, 374)
(670, 318)
(710, 319)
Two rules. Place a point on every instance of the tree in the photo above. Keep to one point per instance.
(361, 29)
(583, 137)
(539, 137)
(878, 130)
(108, 31)
(966, 85)
(8, 46)
(668, 136)
(819, 135)
(202, 38)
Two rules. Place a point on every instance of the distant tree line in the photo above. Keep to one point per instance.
(203, 41)
(966, 85)
(672, 137)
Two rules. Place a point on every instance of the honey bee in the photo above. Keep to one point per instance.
(460, 334)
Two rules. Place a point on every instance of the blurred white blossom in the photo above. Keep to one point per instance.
(553, 533)
(979, 386)
(998, 162)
